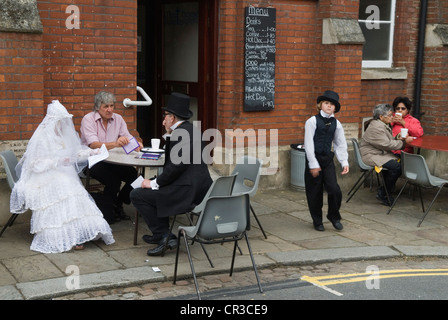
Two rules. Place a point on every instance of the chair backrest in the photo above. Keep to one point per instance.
(222, 186)
(358, 158)
(249, 170)
(415, 169)
(224, 217)
(9, 162)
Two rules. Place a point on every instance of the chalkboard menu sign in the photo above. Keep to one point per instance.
(259, 60)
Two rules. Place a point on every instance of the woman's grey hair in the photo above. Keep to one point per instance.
(381, 110)
(103, 97)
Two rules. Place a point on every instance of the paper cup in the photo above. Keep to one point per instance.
(398, 114)
(155, 144)
(404, 132)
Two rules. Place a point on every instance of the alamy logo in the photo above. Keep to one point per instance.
(373, 280)
(372, 21)
(72, 22)
(72, 281)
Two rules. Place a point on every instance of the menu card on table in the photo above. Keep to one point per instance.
(131, 146)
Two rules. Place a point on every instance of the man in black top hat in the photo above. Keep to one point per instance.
(184, 181)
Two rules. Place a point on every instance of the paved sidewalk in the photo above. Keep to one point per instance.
(368, 234)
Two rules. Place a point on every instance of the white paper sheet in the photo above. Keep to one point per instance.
(104, 154)
(137, 183)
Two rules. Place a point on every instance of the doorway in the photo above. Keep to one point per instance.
(176, 52)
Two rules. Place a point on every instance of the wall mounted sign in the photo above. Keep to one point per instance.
(259, 59)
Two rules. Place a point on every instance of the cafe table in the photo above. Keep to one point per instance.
(437, 143)
(119, 156)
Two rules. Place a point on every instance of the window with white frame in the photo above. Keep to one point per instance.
(376, 19)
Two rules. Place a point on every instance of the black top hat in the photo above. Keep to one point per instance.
(179, 105)
(332, 97)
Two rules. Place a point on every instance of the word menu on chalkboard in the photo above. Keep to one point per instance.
(259, 60)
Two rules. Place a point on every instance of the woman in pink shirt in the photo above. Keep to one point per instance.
(403, 105)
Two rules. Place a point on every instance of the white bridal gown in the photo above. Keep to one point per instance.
(63, 212)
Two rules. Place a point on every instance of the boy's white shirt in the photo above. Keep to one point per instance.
(339, 142)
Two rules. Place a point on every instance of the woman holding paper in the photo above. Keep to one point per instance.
(103, 126)
(64, 214)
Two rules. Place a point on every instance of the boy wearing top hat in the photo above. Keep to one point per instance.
(321, 132)
(184, 181)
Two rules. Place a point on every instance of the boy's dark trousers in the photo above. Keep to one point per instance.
(315, 187)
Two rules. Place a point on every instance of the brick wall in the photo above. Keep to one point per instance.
(435, 77)
(21, 84)
(70, 65)
(73, 64)
(304, 67)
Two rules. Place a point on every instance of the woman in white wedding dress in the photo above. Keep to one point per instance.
(63, 213)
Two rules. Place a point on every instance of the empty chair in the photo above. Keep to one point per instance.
(9, 162)
(366, 170)
(249, 170)
(223, 219)
(415, 171)
(222, 186)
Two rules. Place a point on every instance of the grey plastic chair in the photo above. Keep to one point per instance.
(366, 171)
(223, 219)
(416, 172)
(10, 161)
(249, 170)
(222, 186)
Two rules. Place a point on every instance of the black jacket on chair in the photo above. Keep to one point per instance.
(185, 178)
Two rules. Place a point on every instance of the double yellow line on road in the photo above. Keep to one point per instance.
(381, 274)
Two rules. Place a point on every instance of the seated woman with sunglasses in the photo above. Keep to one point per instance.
(403, 105)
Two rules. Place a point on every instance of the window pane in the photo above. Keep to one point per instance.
(384, 7)
(376, 46)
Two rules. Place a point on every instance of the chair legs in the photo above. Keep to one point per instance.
(425, 212)
(429, 208)
(258, 221)
(358, 184)
(135, 227)
(182, 234)
(361, 180)
(202, 245)
(398, 196)
(9, 223)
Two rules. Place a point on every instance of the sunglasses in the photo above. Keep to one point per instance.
(400, 108)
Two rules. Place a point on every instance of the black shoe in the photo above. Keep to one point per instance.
(319, 227)
(155, 239)
(151, 239)
(384, 200)
(337, 224)
(119, 212)
(160, 249)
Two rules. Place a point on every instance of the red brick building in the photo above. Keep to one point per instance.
(70, 50)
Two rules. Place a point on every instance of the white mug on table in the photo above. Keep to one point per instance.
(404, 132)
(155, 144)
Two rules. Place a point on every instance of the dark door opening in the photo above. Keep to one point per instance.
(177, 51)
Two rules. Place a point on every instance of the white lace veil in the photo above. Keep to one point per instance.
(55, 143)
